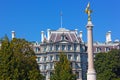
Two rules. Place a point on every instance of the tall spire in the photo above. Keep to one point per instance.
(61, 19)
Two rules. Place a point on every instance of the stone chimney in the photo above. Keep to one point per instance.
(42, 36)
(76, 31)
(48, 34)
(108, 37)
(13, 34)
(81, 36)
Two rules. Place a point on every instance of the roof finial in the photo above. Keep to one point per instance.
(88, 11)
(61, 18)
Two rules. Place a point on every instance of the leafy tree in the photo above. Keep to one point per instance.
(63, 71)
(17, 61)
(108, 65)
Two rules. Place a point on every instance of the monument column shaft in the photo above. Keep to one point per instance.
(91, 74)
(90, 48)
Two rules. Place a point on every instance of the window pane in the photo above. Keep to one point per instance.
(39, 58)
(51, 58)
(69, 47)
(57, 57)
(57, 47)
(51, 66)
(75, 47)
(45, 67)
(69, 57)
(51, 48)
(45, 58)
(63, 47)
(76, 57)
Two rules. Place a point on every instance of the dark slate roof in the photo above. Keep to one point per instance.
(69, 36)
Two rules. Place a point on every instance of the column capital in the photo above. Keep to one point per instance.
(89, 24)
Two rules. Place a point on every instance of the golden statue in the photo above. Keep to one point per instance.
(88, 11)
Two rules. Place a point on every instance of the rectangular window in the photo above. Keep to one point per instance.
(63, 47)
(70, 57)
(51, 48)
(44, 49)
(41, 67)
(69, 47)
(51, 58)
(81, 48)
(51, 66)
(98, 49)
(39, 58)
(45, 58)
(57, 47)
(37, 49)
(75, 47)
(107, 49)
(45, 67)
(76, 57)
(57, 57)
(77, 65)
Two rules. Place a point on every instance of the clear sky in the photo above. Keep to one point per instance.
(29, 17)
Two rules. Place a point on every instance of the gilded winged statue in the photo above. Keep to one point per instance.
(88, 11)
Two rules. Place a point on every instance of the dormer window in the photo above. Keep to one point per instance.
(50, 40)
(62, 37)
(75, 41)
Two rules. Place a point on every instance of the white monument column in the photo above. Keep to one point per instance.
(91, 74)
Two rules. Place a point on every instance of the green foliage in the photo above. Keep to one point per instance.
(17, 61)
(108, 65)
(63, 71)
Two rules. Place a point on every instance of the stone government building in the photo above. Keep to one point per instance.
(61, 40)
(70, 42)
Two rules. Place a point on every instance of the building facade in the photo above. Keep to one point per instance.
(61, 40)
(107, 45)
(71, 43)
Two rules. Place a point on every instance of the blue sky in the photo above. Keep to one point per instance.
(29, 17)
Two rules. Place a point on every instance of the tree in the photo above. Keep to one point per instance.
(63, 71)
(18, 61)
(108, 65)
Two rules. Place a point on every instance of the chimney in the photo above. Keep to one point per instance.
(48, 34)
(42, 36)
(81, 36)
(76, 31)
(13, 34)
(108, 37)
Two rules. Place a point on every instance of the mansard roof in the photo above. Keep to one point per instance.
(68, 35)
